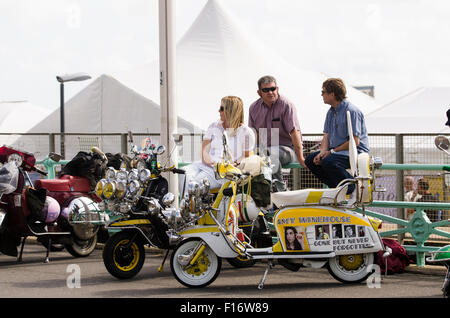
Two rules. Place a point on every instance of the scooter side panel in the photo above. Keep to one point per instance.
(324, 229)
(212, 236)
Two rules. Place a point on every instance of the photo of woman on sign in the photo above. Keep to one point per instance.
(294, 238)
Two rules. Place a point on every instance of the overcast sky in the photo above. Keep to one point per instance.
(397, 46)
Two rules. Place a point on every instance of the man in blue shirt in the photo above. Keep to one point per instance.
(330, 163)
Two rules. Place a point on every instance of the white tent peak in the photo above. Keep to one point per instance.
(217, 57)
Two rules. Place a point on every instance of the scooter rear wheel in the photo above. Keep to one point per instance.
(81, 248)
(350, 269)
(122, 259)
(203, 272)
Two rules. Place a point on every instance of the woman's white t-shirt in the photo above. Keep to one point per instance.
(243, 140)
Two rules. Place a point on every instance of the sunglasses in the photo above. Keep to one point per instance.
(221, 109)
(269, 89)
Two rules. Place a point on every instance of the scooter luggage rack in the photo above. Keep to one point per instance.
(96, 218)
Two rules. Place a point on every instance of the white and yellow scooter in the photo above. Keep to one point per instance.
(315, 227)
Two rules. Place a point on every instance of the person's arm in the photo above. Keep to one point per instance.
(206, 158)
(298, 146)
(324, 146)
(345, 145)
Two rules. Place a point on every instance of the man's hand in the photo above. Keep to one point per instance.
(320, 156)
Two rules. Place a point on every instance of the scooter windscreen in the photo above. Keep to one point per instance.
(9, 176)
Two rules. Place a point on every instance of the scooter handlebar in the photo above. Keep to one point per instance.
(179, 171)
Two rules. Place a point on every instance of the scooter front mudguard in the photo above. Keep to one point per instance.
(212, 236)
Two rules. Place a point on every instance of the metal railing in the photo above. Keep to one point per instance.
(405, 154)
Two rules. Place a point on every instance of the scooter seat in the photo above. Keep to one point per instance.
(310, 196)
(66, 183)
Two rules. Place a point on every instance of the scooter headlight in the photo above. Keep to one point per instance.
(99, 187)
(110, 174)
(144, 175)
(109, 189)
(16, 158)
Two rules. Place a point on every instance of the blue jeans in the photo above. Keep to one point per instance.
(332, 170)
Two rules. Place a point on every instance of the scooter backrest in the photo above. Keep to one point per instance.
(365, 183)
(352, 150)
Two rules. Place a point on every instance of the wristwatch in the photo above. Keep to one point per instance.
(332, 151)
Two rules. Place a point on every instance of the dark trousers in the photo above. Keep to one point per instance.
(332, 170)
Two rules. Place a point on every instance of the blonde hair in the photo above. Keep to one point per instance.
(234, 112)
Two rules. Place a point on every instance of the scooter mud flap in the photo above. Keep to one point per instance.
(212, 236)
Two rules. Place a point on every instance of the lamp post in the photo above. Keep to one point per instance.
(77, 77)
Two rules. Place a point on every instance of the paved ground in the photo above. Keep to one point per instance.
(57, 279)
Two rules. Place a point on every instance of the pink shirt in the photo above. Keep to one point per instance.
(279, 119)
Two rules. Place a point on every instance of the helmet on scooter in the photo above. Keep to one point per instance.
(441, 255)
(51, 209)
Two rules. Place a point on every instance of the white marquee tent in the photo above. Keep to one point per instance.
(421, 111)
(104, 106)
(217, 57)
(18, 117)
(13, 119)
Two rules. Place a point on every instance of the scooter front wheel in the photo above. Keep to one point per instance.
(122, 257)
(202, 272)
(353, 268)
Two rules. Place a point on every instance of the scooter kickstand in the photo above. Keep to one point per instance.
(160, 268)
(269, 266)
(19, 259)
(47, 259)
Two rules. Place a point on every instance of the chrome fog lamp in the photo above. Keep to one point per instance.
(16, 158)
(110, 174)
(122, 175)
(159, 150)
(133, 175)
(168, 199)
(153, 206)
(140, 164)
(193, 188)
(144, 175)
(205, 187)
(99, 187)
(133, 187)
(175, 217)
(121, 189)
(109, 189)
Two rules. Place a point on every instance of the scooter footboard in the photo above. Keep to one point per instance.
(212, 236)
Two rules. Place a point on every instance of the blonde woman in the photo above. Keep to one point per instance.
(241, 142)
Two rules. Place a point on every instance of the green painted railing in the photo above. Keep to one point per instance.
(420, 227)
